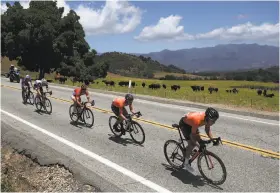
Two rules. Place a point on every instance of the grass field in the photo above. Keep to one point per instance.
(246, 98)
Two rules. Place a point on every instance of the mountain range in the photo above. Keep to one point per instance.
(225, 57)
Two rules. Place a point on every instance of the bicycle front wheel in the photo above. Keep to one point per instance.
(86, 116)
(73, 113)
(137, 133)
(38, 103)
(31, 98)
(48, 105)
(210, 161)
(176, 157)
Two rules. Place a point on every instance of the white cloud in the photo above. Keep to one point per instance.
(3, 8)
(115, 17)
(169, 29)
(241, 16)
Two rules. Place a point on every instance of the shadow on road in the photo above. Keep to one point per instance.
(188, 178)
(41, 112)
(123, 141)
(77, 124)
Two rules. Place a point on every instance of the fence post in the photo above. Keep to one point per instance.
(251, 103)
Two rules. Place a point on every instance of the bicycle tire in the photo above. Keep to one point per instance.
(117, 134)
(84, 113)
(71, 113)
(143, 139)
(220, 162)
(178, 145)
(31, 98)
(49, 112)
(37, 102)
(24, 97)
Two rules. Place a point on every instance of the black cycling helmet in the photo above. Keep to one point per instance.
(129, 98)
(211, 114)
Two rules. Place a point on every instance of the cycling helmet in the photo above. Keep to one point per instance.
(211, 114)
(27, 76)
(15, 69)
(12, 65)
(84, 87)
(129, 98)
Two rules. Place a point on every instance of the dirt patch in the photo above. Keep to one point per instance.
(19, 173)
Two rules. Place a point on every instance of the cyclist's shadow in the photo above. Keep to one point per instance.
(122, 141)
(41, 112)
(188, 178)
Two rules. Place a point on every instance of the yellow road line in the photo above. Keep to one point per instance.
(266, 153)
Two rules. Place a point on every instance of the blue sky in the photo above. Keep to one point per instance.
(184, 24)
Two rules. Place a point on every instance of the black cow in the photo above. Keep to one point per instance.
(259, 92)
(269, 95)
(143, 84)
(164, 86)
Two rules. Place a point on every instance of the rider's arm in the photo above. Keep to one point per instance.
(121, 114)
(87, 95)
(208, 132)
(131, 109)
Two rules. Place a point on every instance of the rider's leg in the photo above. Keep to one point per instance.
(186, 130)
(117, 113)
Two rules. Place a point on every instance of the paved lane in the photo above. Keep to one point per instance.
(247, 171)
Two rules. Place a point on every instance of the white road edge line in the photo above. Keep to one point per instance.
(94, 156)
(175, 107)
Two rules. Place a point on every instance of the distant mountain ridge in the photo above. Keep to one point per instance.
(223, 57)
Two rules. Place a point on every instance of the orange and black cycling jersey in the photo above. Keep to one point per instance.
(195, 119)
(119, 102)
(77, 92)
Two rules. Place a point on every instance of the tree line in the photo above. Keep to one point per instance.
(42, 40)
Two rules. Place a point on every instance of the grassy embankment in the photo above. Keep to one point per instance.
(246, 98)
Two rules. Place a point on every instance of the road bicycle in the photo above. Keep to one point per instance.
(130, 126)
(200, 155)
(27, 94)
(81, 113)
(44, 102)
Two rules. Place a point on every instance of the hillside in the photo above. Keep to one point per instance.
(220, 58)
(270, 74)
(134, 66)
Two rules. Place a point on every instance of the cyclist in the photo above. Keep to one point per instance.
(118, 107)
(25, 83)
(189, 125)
(78, 92)
(38, 86)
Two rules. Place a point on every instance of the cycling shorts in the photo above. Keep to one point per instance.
(116, 110)
(186, 129)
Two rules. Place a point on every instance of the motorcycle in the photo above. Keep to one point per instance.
(15, 76)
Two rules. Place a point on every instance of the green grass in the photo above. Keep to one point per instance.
(246, 98)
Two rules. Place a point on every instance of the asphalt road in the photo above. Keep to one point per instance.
(246, 170)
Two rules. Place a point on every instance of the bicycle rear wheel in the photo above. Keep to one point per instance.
(209, 158)
(137, 130)
(24, 98)
(73, 113)
(178, 153)
(112, 121)
(86, 115)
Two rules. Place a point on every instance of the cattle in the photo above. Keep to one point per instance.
(164, 86)
(211, 89)
(233, 90)
(62, 80)
(264, 92)
(269, 95)
(175, 87)
(126, 83)
(197, 88)
(143, 84)
(111, 83)
(154, 86)
(259, 92)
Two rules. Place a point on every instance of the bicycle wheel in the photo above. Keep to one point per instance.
(38, 103)
(112, 121)
(178, 153)
(47, 105)
(31, 98)
(136, 131)
(73, 113)
(24, 98)
(209, 163)
(86, 115)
